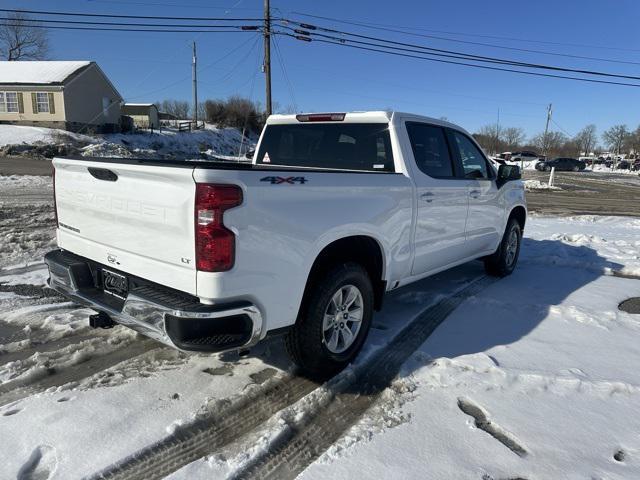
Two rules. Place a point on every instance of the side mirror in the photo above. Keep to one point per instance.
(250, 153)
(508, 173)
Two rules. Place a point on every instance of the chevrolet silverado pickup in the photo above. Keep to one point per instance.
(333, 211)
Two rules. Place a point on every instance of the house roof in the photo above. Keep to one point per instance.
(38, 72)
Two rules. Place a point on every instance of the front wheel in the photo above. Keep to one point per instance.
(503, 262)
(333, 322)
(547, 168)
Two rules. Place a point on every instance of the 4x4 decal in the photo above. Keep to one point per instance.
(285, 180)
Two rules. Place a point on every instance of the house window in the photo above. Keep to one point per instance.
(42, 102)
(9, 102)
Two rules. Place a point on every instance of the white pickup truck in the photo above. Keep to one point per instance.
(334, 210)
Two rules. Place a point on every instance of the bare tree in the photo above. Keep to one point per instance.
(632, 143)
(22, 39)
(587, 139)
(551, 143)
(180, 109)
(488, 137)
(615, 137)
(513, 137)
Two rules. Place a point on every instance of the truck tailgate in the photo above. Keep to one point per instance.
(135, 218)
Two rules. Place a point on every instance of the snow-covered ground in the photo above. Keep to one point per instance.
(544, 355)
(538, 185)
(17, 134)
(543, 358)
(167, 143)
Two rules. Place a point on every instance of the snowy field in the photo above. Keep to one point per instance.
(533, 376)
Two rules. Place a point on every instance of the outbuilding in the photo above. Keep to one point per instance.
(144, 115)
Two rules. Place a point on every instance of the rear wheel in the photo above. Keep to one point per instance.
(333, 322)
(503, 262)
(576, 168)
(547, 168)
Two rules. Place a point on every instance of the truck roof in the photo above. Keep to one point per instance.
(375, 116)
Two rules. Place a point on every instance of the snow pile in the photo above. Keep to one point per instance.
(605, 169)
(531, 185)
(168, 143)
(16, 134)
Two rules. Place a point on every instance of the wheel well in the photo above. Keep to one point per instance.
(520, 215)
(359, 249)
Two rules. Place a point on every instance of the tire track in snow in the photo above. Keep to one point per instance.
(211, 431)
(309, 437)
(57, 377)
(217, 429)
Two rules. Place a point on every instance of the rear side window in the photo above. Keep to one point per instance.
(430, 150)
(347, 146)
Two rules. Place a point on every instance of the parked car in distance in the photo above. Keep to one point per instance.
(563, 164)
(526, 156)
(335, 210)
(624, 165)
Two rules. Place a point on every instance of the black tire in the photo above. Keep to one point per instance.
(305, 342)
(547, 168)
(501, 263)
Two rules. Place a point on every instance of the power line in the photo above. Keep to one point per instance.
(446, 53)
(124, 24)
(436, 37)
(284, 73)
(145, 17)
(209, 65)
(237, 29)
(466, 34)
(169, 5)
(485, 67)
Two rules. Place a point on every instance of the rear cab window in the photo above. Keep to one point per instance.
(430, 150)
(342, 146)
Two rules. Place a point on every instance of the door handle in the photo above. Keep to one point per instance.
(474, 193)
(427, 197)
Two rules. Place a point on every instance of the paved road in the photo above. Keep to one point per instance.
(586, 193)
(24, 166)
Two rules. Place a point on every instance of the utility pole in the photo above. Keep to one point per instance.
(194, 73)
(497, 133)
(266, 67)
(546, 130)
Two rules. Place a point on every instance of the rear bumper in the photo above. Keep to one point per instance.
(171, 317)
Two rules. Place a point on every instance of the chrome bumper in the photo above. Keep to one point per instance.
(192, 327)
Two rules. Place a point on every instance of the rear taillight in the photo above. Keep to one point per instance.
(55, 203)
(215, 244)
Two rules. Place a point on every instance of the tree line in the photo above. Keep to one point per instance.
(617, 139)
(235, 111)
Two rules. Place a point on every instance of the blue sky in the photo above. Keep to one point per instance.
(149, 67)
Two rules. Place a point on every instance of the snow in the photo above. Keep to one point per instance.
(17, 134)
(167, 143)
(538, 185)
(544, 354)
(38, 72)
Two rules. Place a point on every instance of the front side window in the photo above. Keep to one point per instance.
(9, 102)
(474, 164)
(42, 102)
(430, 150)
(347, 146)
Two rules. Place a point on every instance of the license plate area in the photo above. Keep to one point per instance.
(115, 284)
